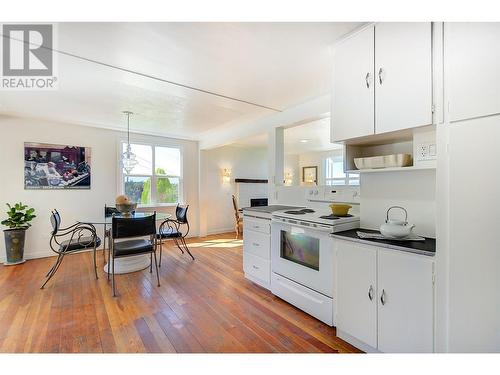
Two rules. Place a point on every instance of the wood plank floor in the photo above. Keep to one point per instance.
(204, 305)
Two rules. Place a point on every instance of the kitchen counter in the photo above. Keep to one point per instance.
(427, 247)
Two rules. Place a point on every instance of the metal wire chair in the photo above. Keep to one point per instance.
(81, 237)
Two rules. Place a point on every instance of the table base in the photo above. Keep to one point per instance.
(130, 264)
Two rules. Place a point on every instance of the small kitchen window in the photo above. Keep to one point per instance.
(334, 172)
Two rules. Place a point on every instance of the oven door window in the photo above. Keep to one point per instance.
(300, 249)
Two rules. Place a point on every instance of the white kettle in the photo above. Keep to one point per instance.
(396, 228)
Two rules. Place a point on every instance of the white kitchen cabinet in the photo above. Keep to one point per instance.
(356, 272)
(353, 97)
(403, 75)
(382, 80)
(384, 298)
(472, 60)
(257, 250)
(405, 299)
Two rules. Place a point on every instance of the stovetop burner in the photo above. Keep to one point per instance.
(333, 217)
(300, 212)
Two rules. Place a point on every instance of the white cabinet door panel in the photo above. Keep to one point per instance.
(403, 75)
(405, 299)
(353, 87)
(472, 69)
(357, 291)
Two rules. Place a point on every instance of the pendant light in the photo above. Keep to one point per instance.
(128, 157)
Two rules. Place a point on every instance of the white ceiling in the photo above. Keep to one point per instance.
(275, 65)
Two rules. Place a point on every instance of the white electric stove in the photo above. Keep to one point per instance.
(316, 219)
(302, 258)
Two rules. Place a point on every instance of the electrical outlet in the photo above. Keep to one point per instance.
(426, 151)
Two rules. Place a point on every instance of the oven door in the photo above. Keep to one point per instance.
(303, 255)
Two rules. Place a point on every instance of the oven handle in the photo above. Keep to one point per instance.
(298, 223)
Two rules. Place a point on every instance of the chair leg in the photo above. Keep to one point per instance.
(113, 276)
(156, 266)
(53, 270)
(161, 250)
(151, 263)
(178, 245)
(109, 261)
(186, 247)
(95, 261)
(54, 265)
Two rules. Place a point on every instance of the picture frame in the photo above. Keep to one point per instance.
(310, 174)
(53, 166)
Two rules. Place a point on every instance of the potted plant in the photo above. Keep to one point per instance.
(18, 221)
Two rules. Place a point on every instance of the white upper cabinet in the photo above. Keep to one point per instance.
(403, 73)
(472, 69)
(353, 94)
(382, 80)
(405, 297)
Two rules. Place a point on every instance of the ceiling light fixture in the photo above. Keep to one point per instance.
(304, 140)
(128, 157)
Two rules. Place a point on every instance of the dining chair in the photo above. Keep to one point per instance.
(171, 229)
(237, 217)
(132, 227)
(81, 237)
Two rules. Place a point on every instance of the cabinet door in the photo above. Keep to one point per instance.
(472, 69)
(405, 299)
(353, 87)
(357, 291)
(403, 75)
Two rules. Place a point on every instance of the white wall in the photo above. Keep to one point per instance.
(413, 190)
(217, 214)
(74, 204)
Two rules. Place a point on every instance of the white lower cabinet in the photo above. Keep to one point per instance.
(384, 299)
(257, 250)
(357, 291)
(405, 299)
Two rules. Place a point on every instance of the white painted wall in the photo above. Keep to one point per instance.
(217, 214)
(75, 204)
(413, 190)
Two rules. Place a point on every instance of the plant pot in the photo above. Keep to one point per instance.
(14, 245)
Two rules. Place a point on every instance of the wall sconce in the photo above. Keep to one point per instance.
(226, 176)
(288, 179)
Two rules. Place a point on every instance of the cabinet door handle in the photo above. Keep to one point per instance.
(370, 293)
(367, 80)
(255, 244)
(255, 267)
(380, 72)
(382, 297)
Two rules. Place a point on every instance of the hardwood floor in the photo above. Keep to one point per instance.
(204, 305)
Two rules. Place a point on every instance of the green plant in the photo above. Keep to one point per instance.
(19, 216)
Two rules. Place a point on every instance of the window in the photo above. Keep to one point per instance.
(156, 179)
(334, 172)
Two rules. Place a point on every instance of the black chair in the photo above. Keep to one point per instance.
(108, 212)
(171, 230)
(123, 227)
(82, 237)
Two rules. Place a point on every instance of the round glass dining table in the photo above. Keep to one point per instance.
(128, 264)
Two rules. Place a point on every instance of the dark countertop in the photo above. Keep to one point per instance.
(270, 209)
(427, 247)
